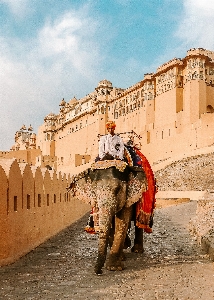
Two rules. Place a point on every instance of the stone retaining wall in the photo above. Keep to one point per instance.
(204, 220)
(202, 226)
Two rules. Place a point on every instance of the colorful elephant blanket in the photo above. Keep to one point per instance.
(145, 206)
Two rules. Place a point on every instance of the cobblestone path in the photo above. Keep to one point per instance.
(171, 268)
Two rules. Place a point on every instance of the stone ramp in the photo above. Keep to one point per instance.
(172, 266)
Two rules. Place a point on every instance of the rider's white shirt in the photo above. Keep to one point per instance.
(111, 144)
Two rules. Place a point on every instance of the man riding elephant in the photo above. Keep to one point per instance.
(111, 186)
(111, 145)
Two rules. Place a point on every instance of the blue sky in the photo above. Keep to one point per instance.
(51, 49)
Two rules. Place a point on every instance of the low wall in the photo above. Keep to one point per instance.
(202, 226)
(34, 205)
(192, 195)
(203, 223)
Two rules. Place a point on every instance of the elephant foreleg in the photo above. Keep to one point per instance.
(122, 220)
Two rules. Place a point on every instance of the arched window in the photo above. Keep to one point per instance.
(210, 109)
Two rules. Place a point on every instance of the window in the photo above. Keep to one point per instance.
(15, 203)
(28, 201)
(148, 137)
(39, 200)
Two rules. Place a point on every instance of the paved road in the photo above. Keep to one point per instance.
(171, 268)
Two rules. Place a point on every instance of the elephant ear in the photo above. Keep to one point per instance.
(85, 191)
(83, 188)
(137, 184)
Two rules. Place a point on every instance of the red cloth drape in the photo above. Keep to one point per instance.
(145, 206)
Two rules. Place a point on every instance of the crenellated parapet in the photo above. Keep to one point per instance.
(34, 205)
(27, 185)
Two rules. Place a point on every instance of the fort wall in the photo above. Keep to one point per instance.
(172, 110)
(34, 206)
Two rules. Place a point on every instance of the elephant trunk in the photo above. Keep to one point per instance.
(102, 251)
(106, 215)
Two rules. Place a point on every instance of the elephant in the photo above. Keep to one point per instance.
(111, 187)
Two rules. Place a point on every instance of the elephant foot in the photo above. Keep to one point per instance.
(114, 263)
(137, 248)
(122, 256)
(98, 270)
(113, 268)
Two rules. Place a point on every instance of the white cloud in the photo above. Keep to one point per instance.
(196, 26)
(17, 7)
(62, 61)
(72, 39)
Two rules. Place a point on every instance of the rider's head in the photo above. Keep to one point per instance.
(110, 125)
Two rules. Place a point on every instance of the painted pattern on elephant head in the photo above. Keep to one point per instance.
(111, 198)
(85, 190)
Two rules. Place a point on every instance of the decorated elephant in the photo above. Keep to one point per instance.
(111, 187)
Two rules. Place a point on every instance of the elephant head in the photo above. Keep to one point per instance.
(112, 190)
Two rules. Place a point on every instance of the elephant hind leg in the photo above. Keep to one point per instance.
(127, 242)
(138, 241)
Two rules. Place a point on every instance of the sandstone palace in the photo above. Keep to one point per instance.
(172, 111)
